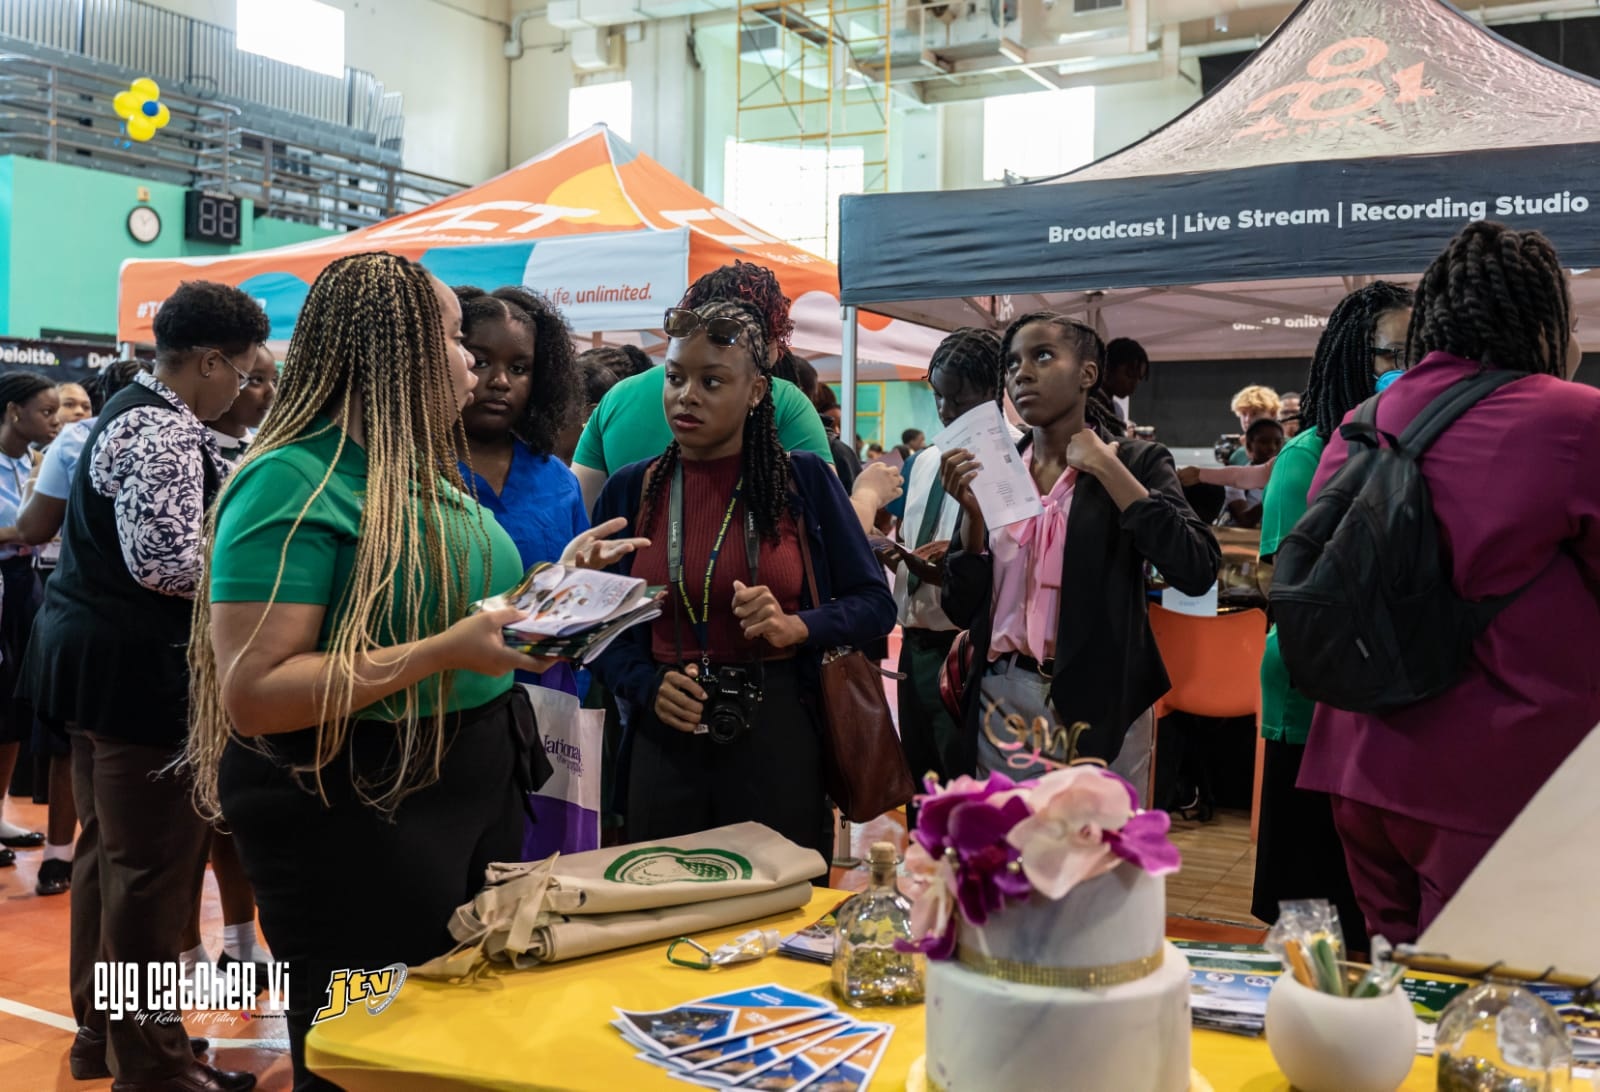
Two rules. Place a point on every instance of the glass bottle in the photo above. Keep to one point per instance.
(867, 970)
(1502, 1038)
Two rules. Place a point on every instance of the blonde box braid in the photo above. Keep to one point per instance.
(764, 461)
(370, 335)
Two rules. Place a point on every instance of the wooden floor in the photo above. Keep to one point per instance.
(1208, 900)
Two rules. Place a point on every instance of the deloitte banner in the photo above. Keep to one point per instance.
(1390, 216)
(58, 361)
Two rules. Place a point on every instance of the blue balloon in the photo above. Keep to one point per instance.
(150, 109)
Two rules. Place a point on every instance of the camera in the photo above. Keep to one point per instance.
(1226, 446)
(732, 695)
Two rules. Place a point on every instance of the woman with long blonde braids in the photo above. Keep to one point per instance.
(352, 725)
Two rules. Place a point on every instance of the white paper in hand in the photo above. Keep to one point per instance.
(1004, 488)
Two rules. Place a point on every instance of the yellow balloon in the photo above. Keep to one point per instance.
(145, 86)
(141, 128)
(126, 104)
(163, 115)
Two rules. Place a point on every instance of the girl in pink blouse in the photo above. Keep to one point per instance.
(1055, 605)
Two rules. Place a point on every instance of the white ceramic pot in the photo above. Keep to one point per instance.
(1339, 1044)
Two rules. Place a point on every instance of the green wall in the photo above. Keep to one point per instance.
(64, 236)
(904, 404)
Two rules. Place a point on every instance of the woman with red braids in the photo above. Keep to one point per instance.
(629, 425)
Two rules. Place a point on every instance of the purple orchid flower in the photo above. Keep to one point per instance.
(1143, 842)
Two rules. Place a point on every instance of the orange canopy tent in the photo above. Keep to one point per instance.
(606, 233)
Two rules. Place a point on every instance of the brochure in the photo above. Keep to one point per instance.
(718, 1019)
(574, 614)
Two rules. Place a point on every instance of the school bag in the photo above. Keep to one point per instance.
(1368, 619)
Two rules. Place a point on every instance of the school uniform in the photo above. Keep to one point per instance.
(1093, 659)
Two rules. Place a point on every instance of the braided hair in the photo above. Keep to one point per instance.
(370, 339)
(1098, 411)
(556, 398)
(109, 380)
(974, 356)
(623, 361)
(764, 462)
(1341, 376)
(753, 284)
(21, 387)
(1498, 297)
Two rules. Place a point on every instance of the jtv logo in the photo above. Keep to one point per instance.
(374, 989)
(1349, 84)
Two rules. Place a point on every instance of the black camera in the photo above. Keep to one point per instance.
(732, 695)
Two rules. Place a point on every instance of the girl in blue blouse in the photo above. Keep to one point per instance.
(528, 389)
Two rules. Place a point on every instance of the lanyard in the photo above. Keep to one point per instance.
(752, 548)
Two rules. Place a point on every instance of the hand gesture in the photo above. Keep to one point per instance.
(680, 703)
(958, 469)
(1188, 476)
(595, 549)
(478, 643)
(1087, 452)
(760, 616)
(879, 482)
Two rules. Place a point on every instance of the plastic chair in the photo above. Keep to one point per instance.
(1215, 667)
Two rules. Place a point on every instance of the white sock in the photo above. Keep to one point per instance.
(240, 942)
(194, 955)
(53, 852)
(11, 830)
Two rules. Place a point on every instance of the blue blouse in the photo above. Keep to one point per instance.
(541, 507)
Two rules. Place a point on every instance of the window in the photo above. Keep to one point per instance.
(793, 193)
(1039, 134)
(299, 32)
(594, 103)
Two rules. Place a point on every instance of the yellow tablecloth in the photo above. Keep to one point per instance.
(549, 1028)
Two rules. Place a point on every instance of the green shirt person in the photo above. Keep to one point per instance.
(1285, 712)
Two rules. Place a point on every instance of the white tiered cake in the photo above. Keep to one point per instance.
(1042, 909)
(1002, 1016)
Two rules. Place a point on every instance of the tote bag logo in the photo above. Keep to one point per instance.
(654, 865)
(1345, 88)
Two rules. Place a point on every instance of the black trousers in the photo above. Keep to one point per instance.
(136, 877)
(341, 886)
(680, 783)
(1298, 852)
(929, 734)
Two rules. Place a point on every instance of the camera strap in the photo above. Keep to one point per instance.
(752, 553)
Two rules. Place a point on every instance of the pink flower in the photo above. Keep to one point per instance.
(1064, 842)
(932, 883)
(1143, 841)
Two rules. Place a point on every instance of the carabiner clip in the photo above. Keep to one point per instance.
(704, 963)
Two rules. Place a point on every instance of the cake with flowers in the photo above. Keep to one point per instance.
(1041, 907)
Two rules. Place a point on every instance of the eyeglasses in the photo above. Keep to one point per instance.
(245, 378)
(1391, 351)
(681, 323)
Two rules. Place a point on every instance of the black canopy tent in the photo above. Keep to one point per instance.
(1357, 140)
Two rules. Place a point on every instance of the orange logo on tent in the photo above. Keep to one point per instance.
(1345, 89)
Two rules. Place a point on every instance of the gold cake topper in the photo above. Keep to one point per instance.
(1028, 744)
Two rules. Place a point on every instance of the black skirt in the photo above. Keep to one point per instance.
(22, 595)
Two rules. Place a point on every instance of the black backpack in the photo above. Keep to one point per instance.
(1368, 619)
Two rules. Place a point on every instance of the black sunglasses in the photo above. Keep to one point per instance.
(681, 323)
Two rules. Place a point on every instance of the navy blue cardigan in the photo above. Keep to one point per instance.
(857, 606)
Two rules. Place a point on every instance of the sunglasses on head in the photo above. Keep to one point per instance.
(682, 323)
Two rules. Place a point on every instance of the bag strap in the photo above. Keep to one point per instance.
(1362, 430)
(1442, 412)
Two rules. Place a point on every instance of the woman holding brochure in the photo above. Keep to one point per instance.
(1055, 601)
(349, 719)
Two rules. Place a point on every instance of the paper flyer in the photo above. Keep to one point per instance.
(855, 1072)
(1003, 487)
(713, 1056)
(717, 1019)
(804, 1069)
(735, 1072)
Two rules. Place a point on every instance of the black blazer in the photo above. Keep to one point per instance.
(1107, 668)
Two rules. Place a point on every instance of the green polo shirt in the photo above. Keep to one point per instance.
(1285, 712)
(257, 517)
(630, 425)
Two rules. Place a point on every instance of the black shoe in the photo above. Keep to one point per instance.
(199, 1078)
(55, 877)
(225, 961)
(7, 858)
(31, 840)
(87, 1058)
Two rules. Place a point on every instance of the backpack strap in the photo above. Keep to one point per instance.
(1442, 412)
(1362, 429)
